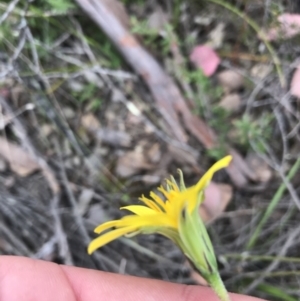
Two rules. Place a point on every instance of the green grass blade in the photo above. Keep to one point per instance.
(275, 200)
(275, 292)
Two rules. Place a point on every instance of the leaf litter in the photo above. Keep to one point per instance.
(118, 135)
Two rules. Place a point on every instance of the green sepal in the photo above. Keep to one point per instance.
(196, 243)
(174, 181)
(181, 180)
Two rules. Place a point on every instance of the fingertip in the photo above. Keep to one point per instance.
(35, 279)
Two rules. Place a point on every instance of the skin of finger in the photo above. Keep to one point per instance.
(33, 280)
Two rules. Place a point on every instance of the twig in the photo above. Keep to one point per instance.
(79, 221)
(64, 250)
(46, 249)
(147, 252)
(166, 94)
(19, 247)
(9, 9)
(289, 242)
(20, 132)
(249, 257)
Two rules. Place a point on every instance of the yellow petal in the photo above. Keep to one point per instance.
(204, 181)
(108, 237)
(106, 226)
(151, 204)
(157, 200)
(172, 185)
(154, 220)
(164, 192)
(191, 197)
(140, 210)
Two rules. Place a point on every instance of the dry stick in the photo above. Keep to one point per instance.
(137, 57)
(19, 130)
(289, 242)
(64, 250)
(134, 110)
(130, 105)
(79, 220)
(249, 257)
(19, 247)
(36, 68)
(46, 249)
(9, 9)
(168, 97)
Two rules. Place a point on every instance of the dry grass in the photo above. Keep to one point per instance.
(91, 111)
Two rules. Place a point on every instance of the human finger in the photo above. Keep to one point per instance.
(23, 279)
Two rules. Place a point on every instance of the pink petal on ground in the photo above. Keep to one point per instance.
(289, 26)
(205, 58)
(295, 83)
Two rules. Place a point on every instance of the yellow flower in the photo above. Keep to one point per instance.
(176, 218)
(156, 215)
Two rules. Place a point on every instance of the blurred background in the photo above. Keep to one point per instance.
(102, 100)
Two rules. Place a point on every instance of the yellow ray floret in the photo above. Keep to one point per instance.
(157, 215)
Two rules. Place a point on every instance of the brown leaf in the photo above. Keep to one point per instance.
(118, 9)
(158, 19)
(261, 70)
(230, 80)
(217, 197)
(260, 167)
(20, 161)
(154, 153)
(183, 156)
(231, 102)
(295, 84)
(132, 163)
(239, 170)
(216, 36)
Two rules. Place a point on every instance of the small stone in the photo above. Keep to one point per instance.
(46, 130)
(261, 71)
(230, 80)
(231, 102)
(260, 167)
(90, 122)
(154, 153)
(68, 112)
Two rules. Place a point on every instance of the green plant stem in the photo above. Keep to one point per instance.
(275, 200)
(217, 285)
(258, 30)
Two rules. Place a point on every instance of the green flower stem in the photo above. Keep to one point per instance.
(216, 283)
